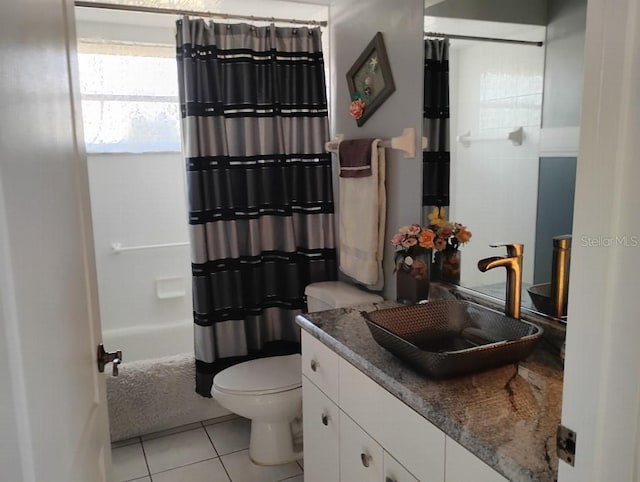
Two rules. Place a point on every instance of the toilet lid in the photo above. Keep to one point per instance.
(262, 376)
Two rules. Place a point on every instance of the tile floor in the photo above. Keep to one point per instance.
(210, 451)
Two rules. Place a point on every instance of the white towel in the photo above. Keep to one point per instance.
(363, 211)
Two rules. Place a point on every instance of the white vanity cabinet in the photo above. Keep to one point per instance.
(407, 436)
(463, 466)
(321, 420)
(394, 472)
(361, 457)
(355, 430)
(321, 428)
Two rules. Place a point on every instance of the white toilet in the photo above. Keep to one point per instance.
(269, 390)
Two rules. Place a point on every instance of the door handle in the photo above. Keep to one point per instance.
(104, 357)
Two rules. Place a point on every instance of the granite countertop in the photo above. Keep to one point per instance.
(506, 416)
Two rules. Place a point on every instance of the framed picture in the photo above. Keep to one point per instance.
(370, 80)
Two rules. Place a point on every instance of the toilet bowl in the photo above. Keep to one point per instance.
(268, 391)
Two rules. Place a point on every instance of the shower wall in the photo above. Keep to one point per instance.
(145, 295)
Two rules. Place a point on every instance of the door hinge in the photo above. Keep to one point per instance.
(566, 444)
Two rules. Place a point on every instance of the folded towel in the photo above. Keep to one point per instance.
(355, 158)
(362, 212)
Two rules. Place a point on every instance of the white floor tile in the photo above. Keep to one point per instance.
(230, 436)
(241, 469)
(207, 471)
(176, 450)
(128, 463)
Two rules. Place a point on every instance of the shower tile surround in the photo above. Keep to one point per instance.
(209, 451)
(494, 89)
(507, 416)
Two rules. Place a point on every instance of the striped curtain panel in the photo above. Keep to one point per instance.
(254, 117)
(436, 159)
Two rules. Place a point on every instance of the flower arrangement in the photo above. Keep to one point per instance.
(448, 235)
(414, 240)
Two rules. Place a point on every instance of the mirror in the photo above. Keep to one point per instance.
(513, 133)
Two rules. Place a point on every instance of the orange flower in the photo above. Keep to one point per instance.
(357, 108)
(426, 239)
(463, 235)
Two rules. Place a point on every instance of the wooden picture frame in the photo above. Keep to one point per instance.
(370, 80)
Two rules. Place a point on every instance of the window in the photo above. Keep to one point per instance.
(129, 97)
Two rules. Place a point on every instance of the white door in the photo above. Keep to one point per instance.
(52, 404)
(601, 399)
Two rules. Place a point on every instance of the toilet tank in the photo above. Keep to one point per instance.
(327, 295)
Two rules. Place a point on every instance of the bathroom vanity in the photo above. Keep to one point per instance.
(369, 417)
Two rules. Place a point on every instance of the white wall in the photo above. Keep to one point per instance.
(494, 89)
(136, 200)
(352, 26)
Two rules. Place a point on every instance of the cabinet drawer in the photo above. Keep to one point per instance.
(406, 435)
(321, 420)
(320, 365)
(394, 472)
(361, 458)
(463, 466)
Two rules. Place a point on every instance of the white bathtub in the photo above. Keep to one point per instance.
(147, 342)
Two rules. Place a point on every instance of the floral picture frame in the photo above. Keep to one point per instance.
(370, 80)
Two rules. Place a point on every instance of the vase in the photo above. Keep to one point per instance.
(412, 281)
(446, 266)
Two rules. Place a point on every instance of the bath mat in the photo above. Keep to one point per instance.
(152, 395)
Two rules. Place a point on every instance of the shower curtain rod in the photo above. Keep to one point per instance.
(171, 11)
(483, 39)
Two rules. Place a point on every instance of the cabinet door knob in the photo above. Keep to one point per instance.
(325, 419)
(365, 459)
(314, 366)
(389, 479)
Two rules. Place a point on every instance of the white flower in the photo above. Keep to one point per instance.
(408, 260)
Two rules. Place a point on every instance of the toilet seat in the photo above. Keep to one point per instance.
(263, 376)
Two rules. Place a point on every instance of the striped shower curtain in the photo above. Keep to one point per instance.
(254, 116)
(436, 159)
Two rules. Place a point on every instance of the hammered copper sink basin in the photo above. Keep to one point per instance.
(445, 338)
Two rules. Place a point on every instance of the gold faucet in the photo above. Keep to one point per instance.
(512, 262)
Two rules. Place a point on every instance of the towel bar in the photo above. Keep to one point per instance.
(516, 137)
(405, 142)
